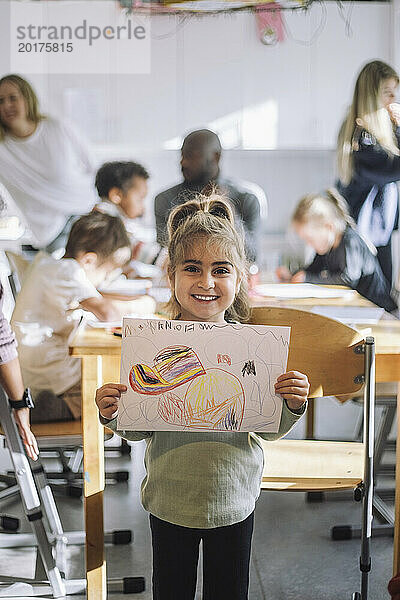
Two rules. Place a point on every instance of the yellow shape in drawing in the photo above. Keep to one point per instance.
(215, 400)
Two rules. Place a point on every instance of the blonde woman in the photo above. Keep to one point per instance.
(368, 158)
(44, 164)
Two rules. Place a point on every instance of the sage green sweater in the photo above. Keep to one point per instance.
(206, 479)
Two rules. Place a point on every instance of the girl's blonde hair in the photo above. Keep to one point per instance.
(328, 207)
(32, 104)
(366, 112)
(209, 219)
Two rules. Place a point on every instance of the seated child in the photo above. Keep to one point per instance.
(342, 256)
(122, 187)
(46, 313)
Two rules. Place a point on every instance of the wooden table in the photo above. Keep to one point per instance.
(100, 354)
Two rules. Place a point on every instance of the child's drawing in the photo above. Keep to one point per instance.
(201, 376)
(172, 366)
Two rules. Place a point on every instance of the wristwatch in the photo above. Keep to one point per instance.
(25, 402)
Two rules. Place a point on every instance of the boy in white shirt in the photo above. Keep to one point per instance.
(47, 311)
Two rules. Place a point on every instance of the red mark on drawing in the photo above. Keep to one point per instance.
(224, 358)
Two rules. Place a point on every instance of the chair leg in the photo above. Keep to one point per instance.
(385, 426)
(8, 523)
(39, 507)
(380, 508)
(368, 479)
(70, 479)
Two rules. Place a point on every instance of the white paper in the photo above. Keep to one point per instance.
(302, 290)
(192, 376)
(96, 324)
(351, 314)
(145, 270)
(127, 287)
(160, 294)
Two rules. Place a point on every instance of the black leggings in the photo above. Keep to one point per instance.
(226, 560)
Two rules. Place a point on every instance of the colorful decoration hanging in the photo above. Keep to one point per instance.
(270, 23)
(204, 7)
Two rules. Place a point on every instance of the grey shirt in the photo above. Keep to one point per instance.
(207, 479)
(245, 204)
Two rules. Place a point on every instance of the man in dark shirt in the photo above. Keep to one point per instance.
(200, 156)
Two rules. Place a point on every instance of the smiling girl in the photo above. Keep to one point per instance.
(203, 486)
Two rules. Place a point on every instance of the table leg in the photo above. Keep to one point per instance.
(93, 464)
(396, 541)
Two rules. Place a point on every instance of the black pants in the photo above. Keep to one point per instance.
(226, 560)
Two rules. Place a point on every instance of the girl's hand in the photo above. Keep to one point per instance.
(394, 112)
(21, 417)
(298, 277)
(283, 274)
(293, 387)
(107, 398)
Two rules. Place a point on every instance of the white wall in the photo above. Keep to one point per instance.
(212, 71)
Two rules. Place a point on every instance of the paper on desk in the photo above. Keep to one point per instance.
(351, 314)
(145, 270)
(127, 287)
(160, 294)
(192, 376)
(109, 324)
(302, 290)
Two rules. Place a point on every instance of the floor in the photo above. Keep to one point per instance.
(293, 557)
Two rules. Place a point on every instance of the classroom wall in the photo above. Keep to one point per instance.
(276, 108)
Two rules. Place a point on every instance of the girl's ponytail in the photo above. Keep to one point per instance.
(219, 208)
(179, 215)
(215, 205)
(340, 205)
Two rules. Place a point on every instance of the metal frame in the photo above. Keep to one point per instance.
(48, 535)
(368, 479)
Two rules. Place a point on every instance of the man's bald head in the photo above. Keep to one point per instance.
(201, 151)
(204, 140)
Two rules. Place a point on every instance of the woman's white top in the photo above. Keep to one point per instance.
(49, 175)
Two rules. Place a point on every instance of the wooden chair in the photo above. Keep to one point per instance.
(337, 360)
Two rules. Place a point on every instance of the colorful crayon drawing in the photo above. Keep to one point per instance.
(173, 366)
(214, 400)
(176, 380)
